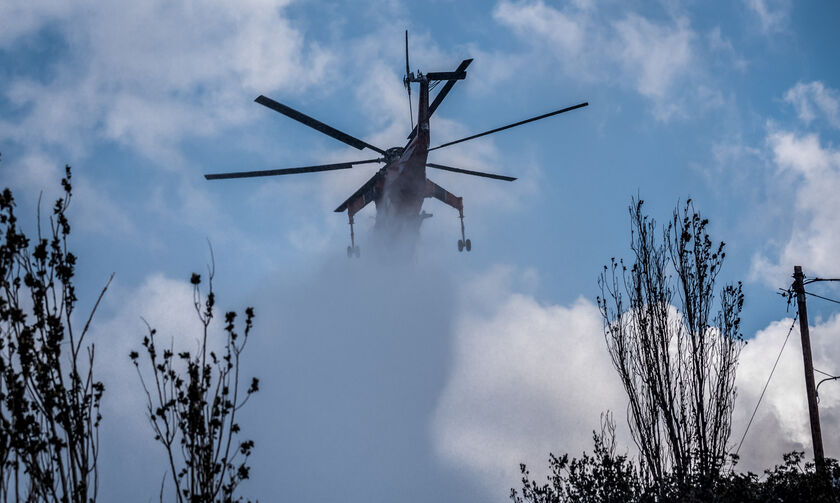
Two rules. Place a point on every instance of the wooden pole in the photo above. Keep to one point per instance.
(813, 411)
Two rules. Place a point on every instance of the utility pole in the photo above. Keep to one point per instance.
(816, 434)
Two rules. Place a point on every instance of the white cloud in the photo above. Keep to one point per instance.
(719, 45)
(815, 99)
(656, 59)
(812, 171)
(150, 74)
(731, 151)
(655, 55)
(39, 173)
(167, 305)
(527, 379)
(563, 31)
(772, 14)
(569, 35)
(21, 17)
(33, 172)
(97, 212)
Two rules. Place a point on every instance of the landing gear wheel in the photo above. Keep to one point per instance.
(468, 245)
(460, 245)
(349, 252)
(357, 252)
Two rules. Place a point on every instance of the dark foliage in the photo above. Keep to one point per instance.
(193, 400)
(49, 397)
(601, 477)
(607, 478)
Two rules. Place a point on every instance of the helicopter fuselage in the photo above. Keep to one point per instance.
(403, 186)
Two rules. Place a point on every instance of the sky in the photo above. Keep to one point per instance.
(435, 376)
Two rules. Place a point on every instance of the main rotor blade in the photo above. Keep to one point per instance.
(315, 124)
(288, 171)
(443, 92)
(407, 83)
(468, 172)
(532, 119)
(407, 69)
(448, 87)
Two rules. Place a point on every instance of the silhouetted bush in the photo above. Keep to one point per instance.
(601, 477)
(193, 400)
(49, 397)
(676, 357)
(608, 478)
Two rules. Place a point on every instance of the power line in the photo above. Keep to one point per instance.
(814, 280)
(790, 330)
(828, 377)
(824, 373)
(832, 378)
(823, 298)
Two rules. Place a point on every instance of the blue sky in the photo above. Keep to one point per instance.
(734, 104)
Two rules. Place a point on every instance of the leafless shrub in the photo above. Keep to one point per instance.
(676, 357)
(193, 400)
(49, 397)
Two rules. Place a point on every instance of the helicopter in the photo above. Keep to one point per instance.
(398, 188)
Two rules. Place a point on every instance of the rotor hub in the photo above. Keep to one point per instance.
(394, 153)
